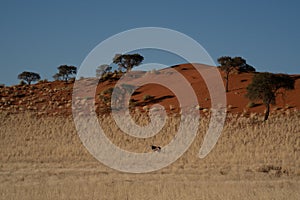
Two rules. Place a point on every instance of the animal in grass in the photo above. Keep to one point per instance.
(155, 148)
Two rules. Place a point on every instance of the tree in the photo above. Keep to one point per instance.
(227, 67)
(228, 64)
(29, 77)
(128, 61)
(265, 87)
(247, 68)
(57, 77)
(102, 69)
(65, 72)
(238, 62)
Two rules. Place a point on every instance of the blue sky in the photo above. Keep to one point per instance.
(41, 35)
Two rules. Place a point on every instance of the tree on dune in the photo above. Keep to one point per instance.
(65, 72)
(29, 77)
(228, 64)
(265, 86)
(128, 61)
(102, 70)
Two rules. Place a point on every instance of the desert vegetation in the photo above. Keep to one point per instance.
(265, 87)
(128, 61)
(29, 77)
(43, 158)
(229, 64)
(65, 72)
(102, 70)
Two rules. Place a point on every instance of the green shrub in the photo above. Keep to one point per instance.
(22, 82)
(148, 97)
(251, 105)
(108, 91)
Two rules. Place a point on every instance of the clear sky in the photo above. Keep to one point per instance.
(41, 35)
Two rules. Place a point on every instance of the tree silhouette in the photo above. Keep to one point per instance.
(229, 64)
(265, 87)
(246, 68)
(29, 77)
(102, 69)
(227, 67)
(128, 61)
(65, 72)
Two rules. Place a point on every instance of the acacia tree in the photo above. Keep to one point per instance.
(228, 64)
(29, 77)
(102, 69)
(65, 72)
(265, 87)
(128, 61)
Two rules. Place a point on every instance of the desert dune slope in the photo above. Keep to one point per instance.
(55, 98)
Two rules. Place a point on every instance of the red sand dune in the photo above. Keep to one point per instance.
(55, 97)
(236, 100)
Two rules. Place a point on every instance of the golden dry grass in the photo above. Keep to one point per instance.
(43, 158)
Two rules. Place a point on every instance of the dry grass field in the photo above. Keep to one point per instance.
(43, 158)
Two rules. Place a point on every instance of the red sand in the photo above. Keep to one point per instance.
(55, 97)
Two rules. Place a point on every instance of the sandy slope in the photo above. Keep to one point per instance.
(43, 158)
(55, 98)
